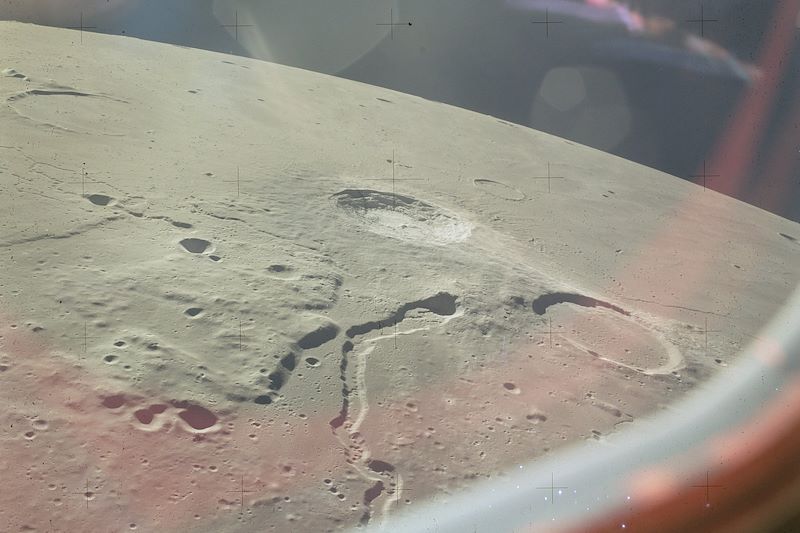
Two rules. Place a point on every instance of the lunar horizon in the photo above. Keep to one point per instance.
(240, 296)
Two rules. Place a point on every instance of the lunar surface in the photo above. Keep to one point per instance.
(238, 296)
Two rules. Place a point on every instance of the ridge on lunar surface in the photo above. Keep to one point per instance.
(217, 276)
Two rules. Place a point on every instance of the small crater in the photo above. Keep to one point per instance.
(511, 387)
(193, 311)
(215, 258)
(263, 399)
(110, 359)
(198, 417)
(99, 199)
(536, 418)
(195, 246)
(144, 416)
(518, 301)
(385, 100)
(184, 225)
(114, 402)
(119, 344)
(280, 271)
(312, 361)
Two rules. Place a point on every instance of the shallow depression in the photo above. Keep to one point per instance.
(616, 338)
(70, 109)
(499, 189)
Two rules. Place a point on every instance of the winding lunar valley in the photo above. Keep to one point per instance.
(238, 296)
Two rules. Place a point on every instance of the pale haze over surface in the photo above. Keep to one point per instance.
(237, 293)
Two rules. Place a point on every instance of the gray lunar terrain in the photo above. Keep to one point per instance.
(239, 296)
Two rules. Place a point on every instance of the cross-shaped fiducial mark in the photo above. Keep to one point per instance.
(549, 178)
(547, 22)
(552, 488)
(381, 325)
(702, 21)
(705, 175)
(87, 494)
(707, 486)
(85, 336)
(705, 331)
(238, 181)
(398, 490)
(236, 26)
(392, 23)
(394, 179)
(242, 492)
(84, 179)
(240, 334)
(549, 331)
(82, 27)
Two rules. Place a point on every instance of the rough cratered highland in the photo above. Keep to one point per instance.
(212, 290)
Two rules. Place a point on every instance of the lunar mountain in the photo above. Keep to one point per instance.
(238, 296)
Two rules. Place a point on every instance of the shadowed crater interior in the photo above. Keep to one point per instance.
(195, 246)
(402, 217)
(99, 199)
(364, 200)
